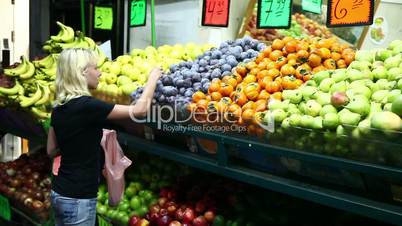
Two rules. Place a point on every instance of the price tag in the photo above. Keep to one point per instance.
(274, 13)
(342, 13)
(215, 13)
(313, 6)
(138, 13)
(5, 211)
(103, 18)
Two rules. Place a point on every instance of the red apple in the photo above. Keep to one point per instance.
(154, 208)
(175, 223)
(133, 220)
(142, 222)
(209, 216)
(188, 215)
(37, 205)
(164, 220)
(154, 217)
(200, 221)
(200, 207)
(171, 210)
(163, 212)
(179, 214)
(162, 201)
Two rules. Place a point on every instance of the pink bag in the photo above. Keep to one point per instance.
(56, 165)
(115, 164)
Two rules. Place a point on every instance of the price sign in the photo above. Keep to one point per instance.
(138, 13)
(103, 18)
(313, 6)
(215, 13)
(5, 211)
(343, 13)
(274, 13)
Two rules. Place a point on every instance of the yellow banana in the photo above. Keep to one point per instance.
(47, 48)
(29, 73)
(50, 71)
(28, 101)
(45, 95)
(45, 62)
(68, 45)
(101, 57)
(57, 38)
(68, 35)
(40, 114)
(90, 42)
(20, 69)
(11, 91)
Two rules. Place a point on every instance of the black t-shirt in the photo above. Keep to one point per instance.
(78, 126)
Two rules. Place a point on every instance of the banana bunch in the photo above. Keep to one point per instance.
(46, 68)
(67, 38)
(24, 70)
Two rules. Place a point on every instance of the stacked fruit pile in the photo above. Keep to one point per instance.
(285, 65)
(26, 182)
(366, 95)
(129, 72)
(33, 82)
(185, 78)
(311, 27)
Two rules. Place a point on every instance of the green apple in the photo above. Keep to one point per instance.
(327, 109)
(124, 59)
(164, 49)
(312, 108)
(110, 78)
(115, 68)
(285, 123)
(135, 203)
(330, 120)
(123, 80)
(101, 209)
(130, 191)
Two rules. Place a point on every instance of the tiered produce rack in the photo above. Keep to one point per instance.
(173, 147)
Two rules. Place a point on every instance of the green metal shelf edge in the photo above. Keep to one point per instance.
(374, 169)
(376, 210)
(25, 216)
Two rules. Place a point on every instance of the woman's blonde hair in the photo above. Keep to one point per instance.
(70, 80)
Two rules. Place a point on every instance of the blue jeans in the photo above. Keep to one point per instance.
(72, 211)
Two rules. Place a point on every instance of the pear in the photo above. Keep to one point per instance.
(380, 73)
(349, 118)
(302, 107)
(339, 75)
(399, 85)
(338, 87)
(354, 74)
(374, 107)
(326, 84)
(330, 120)
(324, 99)
(386, 120)
(364, 126)
(383, 54)
(380, 96)
(364, 56)
(394, 74)
(295, 119)
(317, 123)
(312, 108)
(308, 91)
(360, 65)
(279, 115)
(360, 105)
(306, 121)
(397, 50)
(392, 95)
(362, 90)
(294, 96)
(385, 84)
(388, 107)
(311, 83)
(392, 62)
(362, 82)
(285, 123)
(397, 105)
(318, 77)
(340, 131)
(327, 109)
(277, 104)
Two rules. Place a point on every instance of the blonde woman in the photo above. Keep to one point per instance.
(76, 131)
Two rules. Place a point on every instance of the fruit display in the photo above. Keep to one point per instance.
(285, 65)
(365, 95)
(31, 85)
(129, 72)
(311, 27)
(185, 78)
(26, 182)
